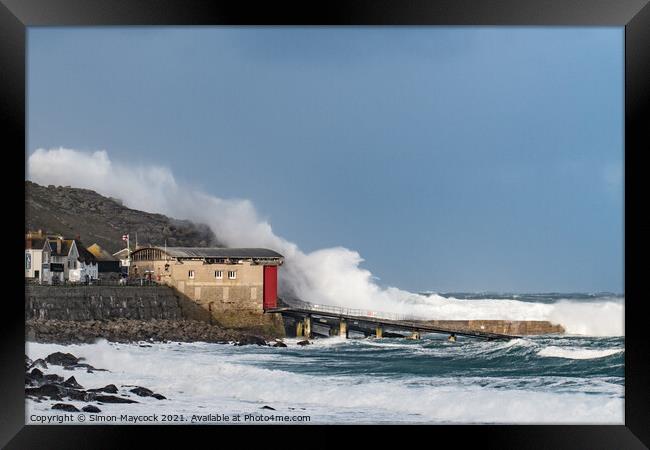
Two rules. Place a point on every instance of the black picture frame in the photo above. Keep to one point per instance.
(634, 15)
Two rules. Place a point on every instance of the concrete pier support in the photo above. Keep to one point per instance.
(307, 327)
(343, 329)
(379, 332)
(415, 335)
(299, 329)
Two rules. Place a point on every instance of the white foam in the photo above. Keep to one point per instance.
(202, 379)
(577, 353)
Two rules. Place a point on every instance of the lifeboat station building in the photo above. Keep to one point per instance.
(232, 286)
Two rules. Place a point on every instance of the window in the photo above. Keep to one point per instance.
(191, 274)
(28, 261)
(218, 274)
(232, 274)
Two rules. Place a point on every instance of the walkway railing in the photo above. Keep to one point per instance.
(347, 311)
(381, 319)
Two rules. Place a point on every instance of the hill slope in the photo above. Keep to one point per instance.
(97, 219)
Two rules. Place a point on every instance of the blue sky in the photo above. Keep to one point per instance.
(451, 158)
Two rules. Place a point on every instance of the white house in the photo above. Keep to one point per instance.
(124, 256)
(88, 266)
(60, 263)
(81, 265)
(37, 258)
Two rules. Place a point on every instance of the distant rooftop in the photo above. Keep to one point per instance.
(219, 252)
(100, 253)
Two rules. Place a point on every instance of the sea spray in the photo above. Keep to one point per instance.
(365, 380)
(331, 276)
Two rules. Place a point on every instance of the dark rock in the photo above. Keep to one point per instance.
(279, 344)
(91, 408)
(72, 383)
(110, 389)
(28, 362)
(36, 374)
(89, 367)
(113, 399)
(267, 407)
(62, 359)
(75, 394)
(142, 392)
(39, 363)
(251, 340)
(305, 342)
(52, 377)
(47, 390)
(159, 396)
(65, 407)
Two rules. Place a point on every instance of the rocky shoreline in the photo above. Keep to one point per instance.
(42, 387)
(127, 330)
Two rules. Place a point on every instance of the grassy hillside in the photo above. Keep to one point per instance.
(97, 219)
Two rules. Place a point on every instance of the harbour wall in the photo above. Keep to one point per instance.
(513, 327)
(144, 303)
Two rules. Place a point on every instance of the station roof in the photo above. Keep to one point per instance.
(219, 252)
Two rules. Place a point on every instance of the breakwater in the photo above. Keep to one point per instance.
(511, 327)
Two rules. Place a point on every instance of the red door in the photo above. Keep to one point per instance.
(270, 287)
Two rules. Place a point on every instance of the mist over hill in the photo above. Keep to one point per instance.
(97, 219)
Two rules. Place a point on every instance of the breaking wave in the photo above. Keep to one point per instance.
(331, 276)
(200, 378)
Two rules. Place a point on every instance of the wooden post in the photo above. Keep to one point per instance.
(343, 328)
(379, 332)
(307, 327)
(299, 328)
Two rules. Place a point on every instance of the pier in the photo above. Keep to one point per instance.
(340, 321)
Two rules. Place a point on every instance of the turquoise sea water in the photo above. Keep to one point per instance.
(535, 379)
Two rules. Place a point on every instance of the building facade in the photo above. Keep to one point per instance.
(37, 258)
(123, 256)
(85, 268)
(234, 285)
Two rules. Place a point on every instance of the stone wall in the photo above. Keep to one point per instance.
(80, 303)
(101, 303)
